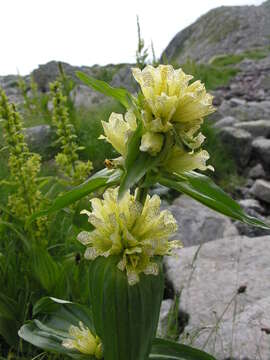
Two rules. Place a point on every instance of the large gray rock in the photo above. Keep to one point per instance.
(225, 283)
(261, 146)
(164, 317)
(256, 128)
(238, 141)
(39, 139)
(198, 224)
(256, 172)
(261, 189)
(245, 111)
(226, 29)
(225, 122)
(85, 97)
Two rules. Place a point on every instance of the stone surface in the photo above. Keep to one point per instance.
(85, 97)
(256, 172)
(163, 317)
(223, 277)
(199, 224)
(261, 146)
(39, 139)
(256, 128)
(226, 29)
(238, 141)
(261, 189)
(248, 111)
(225, 122)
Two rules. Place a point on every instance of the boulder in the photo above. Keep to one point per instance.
(164, 317)
(198, 224)
(225, 122)
(85, 97)
(261, 147)
(256, 172)
(225, 289)
(238, 141)
(256, 128)
(246, 110)
(261, 189)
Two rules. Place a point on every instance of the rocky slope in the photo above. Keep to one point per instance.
(227, 29)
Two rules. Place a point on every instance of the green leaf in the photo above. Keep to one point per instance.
(50, 328)
(125, 317)
(169, 350)
(133, 146)
(9, 316)
(46, 271)
(102, 178)
(121, 95)
(141, 165)
(203, 189)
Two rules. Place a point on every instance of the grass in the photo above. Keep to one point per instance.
(234, 59)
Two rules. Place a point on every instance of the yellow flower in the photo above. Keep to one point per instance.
(151, 143)
(169, 97)
(179, 160)
(118, 129)
(127, 228)
(84, 341)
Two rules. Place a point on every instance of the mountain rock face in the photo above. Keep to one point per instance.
(227, 29)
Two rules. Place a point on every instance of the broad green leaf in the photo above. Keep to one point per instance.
(53, 318)
(102, 178)
(169, 350)
(125, 317)
(203, 189)
(141, 165)
(8, 330)
(46, 271)
(133, 146)
(119, 94)
(8, 307)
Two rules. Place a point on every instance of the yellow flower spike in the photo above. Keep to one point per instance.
(118, 129)
(135, 232)
(82, 340)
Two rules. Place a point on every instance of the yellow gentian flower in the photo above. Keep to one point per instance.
(127, 228)
(118, 129)
(82, 340)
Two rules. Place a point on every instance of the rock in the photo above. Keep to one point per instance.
(124, 78)
(238, 141)
(85, 97)
(251, 204)
(163, 317)
(256, 172)
(224, 30)
(222, 278)
(199, 224)
(248, 111)
(39, 139)
(261, 146)
(256, 128)
(261, 189)
(225, 122)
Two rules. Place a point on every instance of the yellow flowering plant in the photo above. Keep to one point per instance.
(158, 140)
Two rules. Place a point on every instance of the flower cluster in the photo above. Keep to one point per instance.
(169, 107)
(83, 341)
(127, 228)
